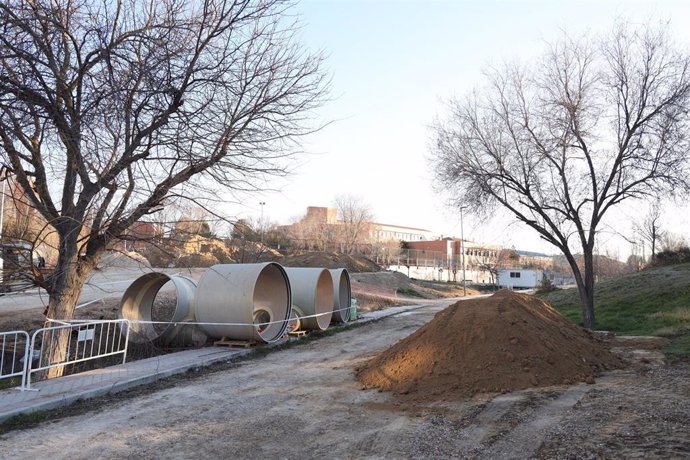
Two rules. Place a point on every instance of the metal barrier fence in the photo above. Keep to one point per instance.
(85, 341)
(14, 357)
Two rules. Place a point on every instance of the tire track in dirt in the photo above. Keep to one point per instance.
(486, 423)
(527, 437)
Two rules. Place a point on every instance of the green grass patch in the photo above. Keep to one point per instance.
(23, 421)
(655, 301)
(679, 349)
(408, 292)
(10, 383)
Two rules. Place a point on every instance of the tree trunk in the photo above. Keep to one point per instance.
(61, 306)
(585, 286)
(66, 284)
(586, 289)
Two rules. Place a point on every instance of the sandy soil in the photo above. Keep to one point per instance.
(304, 402)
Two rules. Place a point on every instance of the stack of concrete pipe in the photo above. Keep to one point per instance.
(342, 295)
(253, 302)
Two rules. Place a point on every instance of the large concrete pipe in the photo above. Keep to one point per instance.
(138, 301)
(312, 294)
(342, 295)
(248, 301)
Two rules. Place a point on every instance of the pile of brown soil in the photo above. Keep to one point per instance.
(505, 342)
(353, 263)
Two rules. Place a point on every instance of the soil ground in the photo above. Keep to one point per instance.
(396, 284)
(304, 402)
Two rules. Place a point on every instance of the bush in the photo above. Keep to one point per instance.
(159, 257)
(545, 285)
(196, 261)
(671, 257)
(222, 255)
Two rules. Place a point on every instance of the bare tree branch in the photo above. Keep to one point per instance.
(561, 142)
(108, 108)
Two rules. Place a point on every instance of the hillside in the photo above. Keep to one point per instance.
(655, 301)
(353, 263)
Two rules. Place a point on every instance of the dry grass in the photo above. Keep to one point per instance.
(367, 302)
(678, 314)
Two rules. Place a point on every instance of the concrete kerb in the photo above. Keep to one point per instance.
(42, 402)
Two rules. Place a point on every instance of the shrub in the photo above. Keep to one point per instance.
(671, 257)
(545, 285)
(196, 261)
(159, 257)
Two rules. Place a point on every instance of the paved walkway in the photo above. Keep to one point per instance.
(59, 392)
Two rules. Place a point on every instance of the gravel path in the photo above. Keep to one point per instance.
(303, 402)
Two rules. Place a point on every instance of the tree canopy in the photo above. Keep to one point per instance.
(561, 141)
(107, 108)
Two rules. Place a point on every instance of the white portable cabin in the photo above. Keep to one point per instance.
(520, 278)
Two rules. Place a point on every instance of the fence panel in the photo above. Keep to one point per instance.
(86, 341)
(14, 354)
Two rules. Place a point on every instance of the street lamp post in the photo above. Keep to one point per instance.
(462, 254)
(261, 222)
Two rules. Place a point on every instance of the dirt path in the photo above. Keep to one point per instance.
(304, 403)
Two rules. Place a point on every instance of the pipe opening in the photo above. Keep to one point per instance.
(244, 301)
(295, 324)
(342, 295)
(312, 294)
(163, 307)
(261, 318)
(156, 297)
(324, 300)
(270, 293)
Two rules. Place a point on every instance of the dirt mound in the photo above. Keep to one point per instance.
(353, 263)
(505, 342)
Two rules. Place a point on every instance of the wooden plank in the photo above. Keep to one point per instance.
(297, 333)
(225, 342)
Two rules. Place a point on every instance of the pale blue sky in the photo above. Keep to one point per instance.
(393, 64)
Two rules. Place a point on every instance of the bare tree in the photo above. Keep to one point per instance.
(107, 108)
(560, 142)
(355, 221)
(194, 221)
(311, 234)
(650, 229)
(673, 242)
(498, 259)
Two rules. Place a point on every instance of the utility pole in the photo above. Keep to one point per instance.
(462, 253)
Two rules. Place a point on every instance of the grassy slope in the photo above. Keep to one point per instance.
(652, 302)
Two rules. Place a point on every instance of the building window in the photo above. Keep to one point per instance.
(515, 274)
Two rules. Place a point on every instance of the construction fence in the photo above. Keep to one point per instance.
(27, 357)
